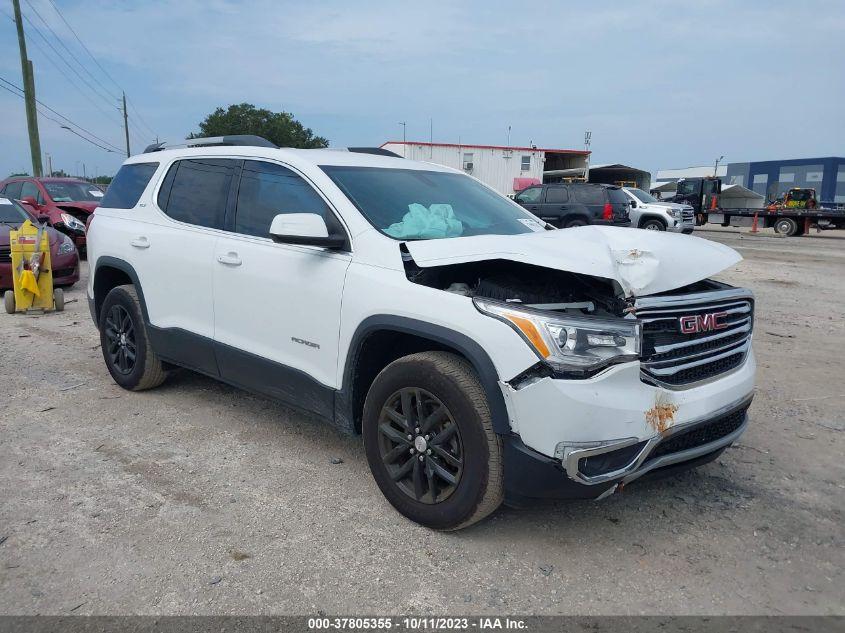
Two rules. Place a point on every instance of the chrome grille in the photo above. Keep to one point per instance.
(680, 359)
(5, 255)
(687, 214)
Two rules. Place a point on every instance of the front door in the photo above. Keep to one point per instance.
(277, 306)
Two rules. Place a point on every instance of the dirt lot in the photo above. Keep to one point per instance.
(197, 498)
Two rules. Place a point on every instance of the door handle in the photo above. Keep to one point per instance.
(533, 207)
(564, 207)
(230, 259)
(140, 242)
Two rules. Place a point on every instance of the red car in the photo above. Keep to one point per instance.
(63, 254)
(65, 203)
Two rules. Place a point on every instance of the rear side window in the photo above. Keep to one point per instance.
(557, 194)
(128, 185)
(196, 191)
(266, 190)
(617, 196)
(589, 195)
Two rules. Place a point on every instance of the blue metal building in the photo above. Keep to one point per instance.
(773, 177)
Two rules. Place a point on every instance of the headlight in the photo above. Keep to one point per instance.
(67, 245)
(574, 346)
(72, 223)
(675, 213)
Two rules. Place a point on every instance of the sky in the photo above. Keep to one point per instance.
(659, 84)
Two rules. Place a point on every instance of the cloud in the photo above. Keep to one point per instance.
(659, 83)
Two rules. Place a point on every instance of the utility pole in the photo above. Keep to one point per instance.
(49, 164)
(29, 95)
(126, 125)
(716, 166)
(404, 129)
(588, 138)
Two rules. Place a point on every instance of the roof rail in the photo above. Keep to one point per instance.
(379, 151)
(250, 140)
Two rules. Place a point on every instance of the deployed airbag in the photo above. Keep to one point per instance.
(435, 221)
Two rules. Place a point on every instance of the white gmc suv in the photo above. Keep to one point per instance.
(482, 355)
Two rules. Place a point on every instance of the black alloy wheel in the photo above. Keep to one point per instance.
(420, 445)
(120, 334)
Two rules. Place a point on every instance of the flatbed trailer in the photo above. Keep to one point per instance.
(784, 221)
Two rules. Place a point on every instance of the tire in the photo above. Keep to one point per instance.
(573, 223)
(9, 301)
(121, 315)
(58, 299)
(786, 226)
(431, 380)
(653, 225)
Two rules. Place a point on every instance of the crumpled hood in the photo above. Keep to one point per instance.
(642, 262)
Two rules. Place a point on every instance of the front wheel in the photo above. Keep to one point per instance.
(9, 301)
(653, 225)
(430, 442)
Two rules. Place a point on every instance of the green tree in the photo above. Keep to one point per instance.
(277, 127)
(20, 173)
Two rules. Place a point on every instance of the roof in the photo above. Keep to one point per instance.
(504, 147)
(46, 179)
(328, 156)
(617, 166)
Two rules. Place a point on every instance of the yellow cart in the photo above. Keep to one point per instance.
(32, 273)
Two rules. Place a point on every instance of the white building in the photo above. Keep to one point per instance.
(674, 175)
(506, 169)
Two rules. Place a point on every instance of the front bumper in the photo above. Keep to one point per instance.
(617, 417)
(531, 475)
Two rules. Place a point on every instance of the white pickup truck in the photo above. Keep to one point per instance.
(647, 212)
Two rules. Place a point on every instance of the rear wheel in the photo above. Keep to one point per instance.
(786, 226)
(575, 222)
(653, 225)
(126, 347)
(430, 442)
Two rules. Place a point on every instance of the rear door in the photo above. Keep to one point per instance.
(591, 199)
(174, 257)
(620, 204)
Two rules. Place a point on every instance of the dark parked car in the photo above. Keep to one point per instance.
(566, 205)
(64, 257)
(65, 203)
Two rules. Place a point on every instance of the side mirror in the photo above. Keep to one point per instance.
(633, 204)
(304, 228)
(30, 201)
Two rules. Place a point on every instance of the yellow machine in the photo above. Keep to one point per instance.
(32, 273)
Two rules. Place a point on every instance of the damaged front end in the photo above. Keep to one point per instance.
(644, 364)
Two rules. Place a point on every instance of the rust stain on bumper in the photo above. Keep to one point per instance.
(662, 415)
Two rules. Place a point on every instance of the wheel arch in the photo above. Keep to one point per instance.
(381, 339)
(646, 217)
(109, 273)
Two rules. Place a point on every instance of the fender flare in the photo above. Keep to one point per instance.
(470, 349)
(107, 261)
(645, 217)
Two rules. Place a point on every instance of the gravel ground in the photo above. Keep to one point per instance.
(196, 498)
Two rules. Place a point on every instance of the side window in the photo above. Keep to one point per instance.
(557, 194)
(29, 189)
(589, 195)
(127, 186)
(532, 194)
(196, 191)
(13, 190)
(268, 189)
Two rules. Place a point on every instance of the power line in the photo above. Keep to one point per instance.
(60, 124)
(108, 95)
(44, 105)
(100, 66)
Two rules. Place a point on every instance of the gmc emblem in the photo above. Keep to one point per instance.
(696, 323)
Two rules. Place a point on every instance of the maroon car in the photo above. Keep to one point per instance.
(63, 254)
(64, 203)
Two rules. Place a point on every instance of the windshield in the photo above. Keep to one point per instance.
(410, 204)
(73, 192)
(12, 213)
(642, 196)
